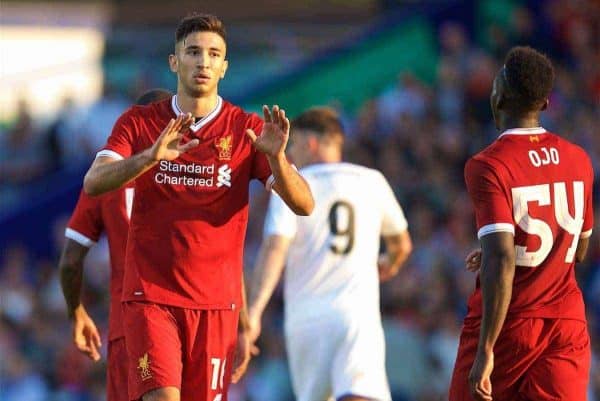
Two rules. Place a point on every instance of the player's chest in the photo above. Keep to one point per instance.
(221, 161)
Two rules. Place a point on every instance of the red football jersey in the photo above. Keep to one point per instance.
(538, 186)
(108, 213)
(189, 215)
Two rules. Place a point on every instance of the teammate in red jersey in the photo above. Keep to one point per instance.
(182, 289)
(525, 335)
(92, 216)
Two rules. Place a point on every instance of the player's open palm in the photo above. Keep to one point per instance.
(479, 377)
(169, 145)
(275, 133)
(85, 335)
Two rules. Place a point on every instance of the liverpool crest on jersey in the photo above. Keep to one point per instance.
(224, 147)
(144, 367)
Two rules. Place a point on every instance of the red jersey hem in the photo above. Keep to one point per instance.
(532, 315)
(182, 303)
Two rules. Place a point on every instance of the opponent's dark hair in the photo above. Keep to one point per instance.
(197, 22)
(529, 76)
(153, 95)
(323, 121)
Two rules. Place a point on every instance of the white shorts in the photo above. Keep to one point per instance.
(335, 357)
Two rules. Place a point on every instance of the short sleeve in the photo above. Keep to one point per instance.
(493, 212)
(393, 222)
(588, 219)
(85, 224)
(261, 170)
(120, 143)
(280, 220)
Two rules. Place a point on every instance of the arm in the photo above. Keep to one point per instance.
(582, 247)
(244, 348)
(473, 259)
(398, 247)
(496, 277)
(288, 183)
(243, 324)
(71, 274)
(85, 333)
(266, 275)
(107, 174)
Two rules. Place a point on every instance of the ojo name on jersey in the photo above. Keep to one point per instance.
(547, 157)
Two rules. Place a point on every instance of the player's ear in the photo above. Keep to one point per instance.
(173, 62)
(500, 102)
(225, 65)
(312, 143)
(545, 104)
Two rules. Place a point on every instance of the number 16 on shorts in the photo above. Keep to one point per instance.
(218, 372)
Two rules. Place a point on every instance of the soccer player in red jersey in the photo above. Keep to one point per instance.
(92, 216)
(182, 288)
(525, 335)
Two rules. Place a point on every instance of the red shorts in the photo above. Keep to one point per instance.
(117, 373)
(534, 360)
(190, 349)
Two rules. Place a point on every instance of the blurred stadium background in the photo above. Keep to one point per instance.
(411, 80)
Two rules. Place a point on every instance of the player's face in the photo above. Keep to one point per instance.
(199, 62)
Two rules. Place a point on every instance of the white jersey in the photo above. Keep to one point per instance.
(332, 260)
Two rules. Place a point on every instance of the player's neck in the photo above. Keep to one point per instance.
(198, 106)
(325, 160)
(328, 154)
(527, 121)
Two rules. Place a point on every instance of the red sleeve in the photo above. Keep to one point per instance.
(261, 169)
(120, 143)
(493, 211)
(85, 225)
(588, 219)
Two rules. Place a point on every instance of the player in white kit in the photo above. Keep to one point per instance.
(333, 330)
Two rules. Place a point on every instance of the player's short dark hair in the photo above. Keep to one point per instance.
(529, 76)
(323, 121)
(153, 95)
(197, 22)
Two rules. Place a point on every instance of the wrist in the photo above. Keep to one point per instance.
(254, 312)
(149, 156)
(243, 323)
(77, 312)
(485, 350)
(243, 326)
(278, 158)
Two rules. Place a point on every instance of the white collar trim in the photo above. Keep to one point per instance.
(524, 131)
(203, 121)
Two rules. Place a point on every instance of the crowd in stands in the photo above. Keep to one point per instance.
(418, 134)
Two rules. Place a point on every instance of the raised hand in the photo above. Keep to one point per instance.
(168, 146)
(85, 334)
(275, 133)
